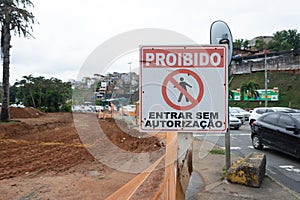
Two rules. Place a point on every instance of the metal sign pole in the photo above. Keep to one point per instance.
(221, 34)
(227, 149)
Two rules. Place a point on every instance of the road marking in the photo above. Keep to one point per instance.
(233, 148)
(218, 134)
(290, 168)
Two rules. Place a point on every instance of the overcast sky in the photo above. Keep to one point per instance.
(69, 30)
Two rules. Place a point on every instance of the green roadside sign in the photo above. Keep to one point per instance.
(272, 95)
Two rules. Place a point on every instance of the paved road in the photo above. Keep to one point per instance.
(283, 168)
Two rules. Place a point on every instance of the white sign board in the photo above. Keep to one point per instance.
(183, 88)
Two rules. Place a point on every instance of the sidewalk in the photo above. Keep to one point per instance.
(210, 168)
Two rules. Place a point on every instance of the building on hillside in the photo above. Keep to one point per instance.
(103, 88)
(252, 42)
(288, 60)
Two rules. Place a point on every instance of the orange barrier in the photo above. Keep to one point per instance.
(129, 189)
(168, 187)
(170, 169)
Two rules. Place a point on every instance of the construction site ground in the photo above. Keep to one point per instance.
(42, 157)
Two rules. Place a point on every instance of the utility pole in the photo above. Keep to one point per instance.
(130, 79)
(95, 87)
(266, 82)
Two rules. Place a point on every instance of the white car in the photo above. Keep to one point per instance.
(234, 122)
(17, 105)
(244, 112)
(235, 113)
(257, 112)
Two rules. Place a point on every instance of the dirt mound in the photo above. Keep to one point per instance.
(40, 144)
(128, 139)
(52, 143)
(28, 112)
(44, 158)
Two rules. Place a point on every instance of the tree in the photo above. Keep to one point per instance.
(241, 44)
(49, 95)
(231, 94)
(28, 83)
(250, 89)
(260, 44)
(14, 16)
(285, 40)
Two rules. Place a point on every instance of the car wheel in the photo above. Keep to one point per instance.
(256, 142)
(236, 128)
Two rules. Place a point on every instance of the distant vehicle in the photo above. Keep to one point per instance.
(257, 112)
(129, 110)
(234, 122)
(82, 108)
(244, 112)
(17, 105)
(235, 113)
(278, 130)
(97, 108)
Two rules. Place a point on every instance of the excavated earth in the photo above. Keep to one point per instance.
(43, 157)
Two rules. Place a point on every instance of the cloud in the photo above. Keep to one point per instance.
(68, 31)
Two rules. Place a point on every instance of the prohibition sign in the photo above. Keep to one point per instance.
(170, 78)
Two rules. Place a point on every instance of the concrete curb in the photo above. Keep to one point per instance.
(209, 169)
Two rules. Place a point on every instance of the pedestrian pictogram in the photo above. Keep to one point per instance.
(181, 86)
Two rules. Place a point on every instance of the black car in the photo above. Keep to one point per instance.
(278, 130)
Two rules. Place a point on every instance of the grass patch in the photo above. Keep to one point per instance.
(217, 151)
(223, 176)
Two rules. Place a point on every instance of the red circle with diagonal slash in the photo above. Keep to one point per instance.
(170, 78)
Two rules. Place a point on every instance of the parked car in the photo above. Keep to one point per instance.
(278, 130)
(257, 112)
(244, 112)
(234, 122)
(235, 113)
(17, 105)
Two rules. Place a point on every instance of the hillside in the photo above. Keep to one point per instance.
(288, 83)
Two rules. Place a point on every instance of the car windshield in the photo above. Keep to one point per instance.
(240, 109)
(233, 110)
